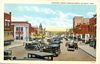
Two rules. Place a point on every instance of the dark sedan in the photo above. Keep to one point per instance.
(53, 48)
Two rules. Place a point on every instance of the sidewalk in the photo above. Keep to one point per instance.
(90, 50)
(14, 44)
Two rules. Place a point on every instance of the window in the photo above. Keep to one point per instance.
(8, 24)
(17, 37)
(5, 23)
(21, 37)
(21, 29)
(88, 28)
(17, 28)
(11, 33)
(8, 33)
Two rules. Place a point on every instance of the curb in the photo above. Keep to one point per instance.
(87, 53)
(14, 46)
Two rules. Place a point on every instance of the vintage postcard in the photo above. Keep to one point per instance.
(52, 31)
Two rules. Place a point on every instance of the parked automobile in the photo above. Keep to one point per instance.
(87, 42)
(48, 40)
(93, 43)
(34, 45)
(53, 48)
(7, 43)
(79, 39)
(7, 55)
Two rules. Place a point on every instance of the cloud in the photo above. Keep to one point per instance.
(36, 8)
(23, 8)
(90, 14)
(48, 11)
(18, 18)
(60, 19)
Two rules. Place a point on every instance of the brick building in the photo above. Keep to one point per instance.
(84, 28)
(8, 32)
(92, 27)
(77, 20)
(81, 27)
(33, 31)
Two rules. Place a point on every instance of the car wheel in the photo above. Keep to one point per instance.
(56, 55)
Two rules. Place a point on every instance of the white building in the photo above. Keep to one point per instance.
(21, 31)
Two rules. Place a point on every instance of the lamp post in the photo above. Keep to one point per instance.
(26, 33)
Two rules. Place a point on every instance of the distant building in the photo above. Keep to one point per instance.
(21, 30)
(84, 28)
(8, 32)
(92, 27)
(81, 27)
(33, 31)
(77, 20)
(40, 31)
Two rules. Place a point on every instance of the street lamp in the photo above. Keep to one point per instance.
(26, 33)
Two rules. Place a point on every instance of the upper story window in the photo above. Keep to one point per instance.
(17, 28)
(22, 29)
(7, 24)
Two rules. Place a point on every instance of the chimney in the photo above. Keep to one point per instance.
(10, 13)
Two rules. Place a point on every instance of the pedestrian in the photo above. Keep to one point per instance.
(76, 45)
(94, 44)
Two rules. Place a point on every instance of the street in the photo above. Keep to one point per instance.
(77, 55)
(50, 32)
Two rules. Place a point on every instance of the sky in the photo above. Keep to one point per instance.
(49, 15)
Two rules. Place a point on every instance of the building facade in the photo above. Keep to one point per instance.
(92, 27)
(8, 34)
(77, 20)
(33, 31)
(21, 30)
(81, 28)
(84, 29)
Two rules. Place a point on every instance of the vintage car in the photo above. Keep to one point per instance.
(7, 43)
(53, 48)
(71, 47)
(7, 55)
(34, 45)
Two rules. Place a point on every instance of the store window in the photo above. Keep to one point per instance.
(17, 37)
(8, 33)
(21, 37)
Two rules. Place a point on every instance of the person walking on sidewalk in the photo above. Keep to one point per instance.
(94, 44)
(75, 44)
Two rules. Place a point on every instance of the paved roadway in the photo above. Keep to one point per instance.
(77, 55)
